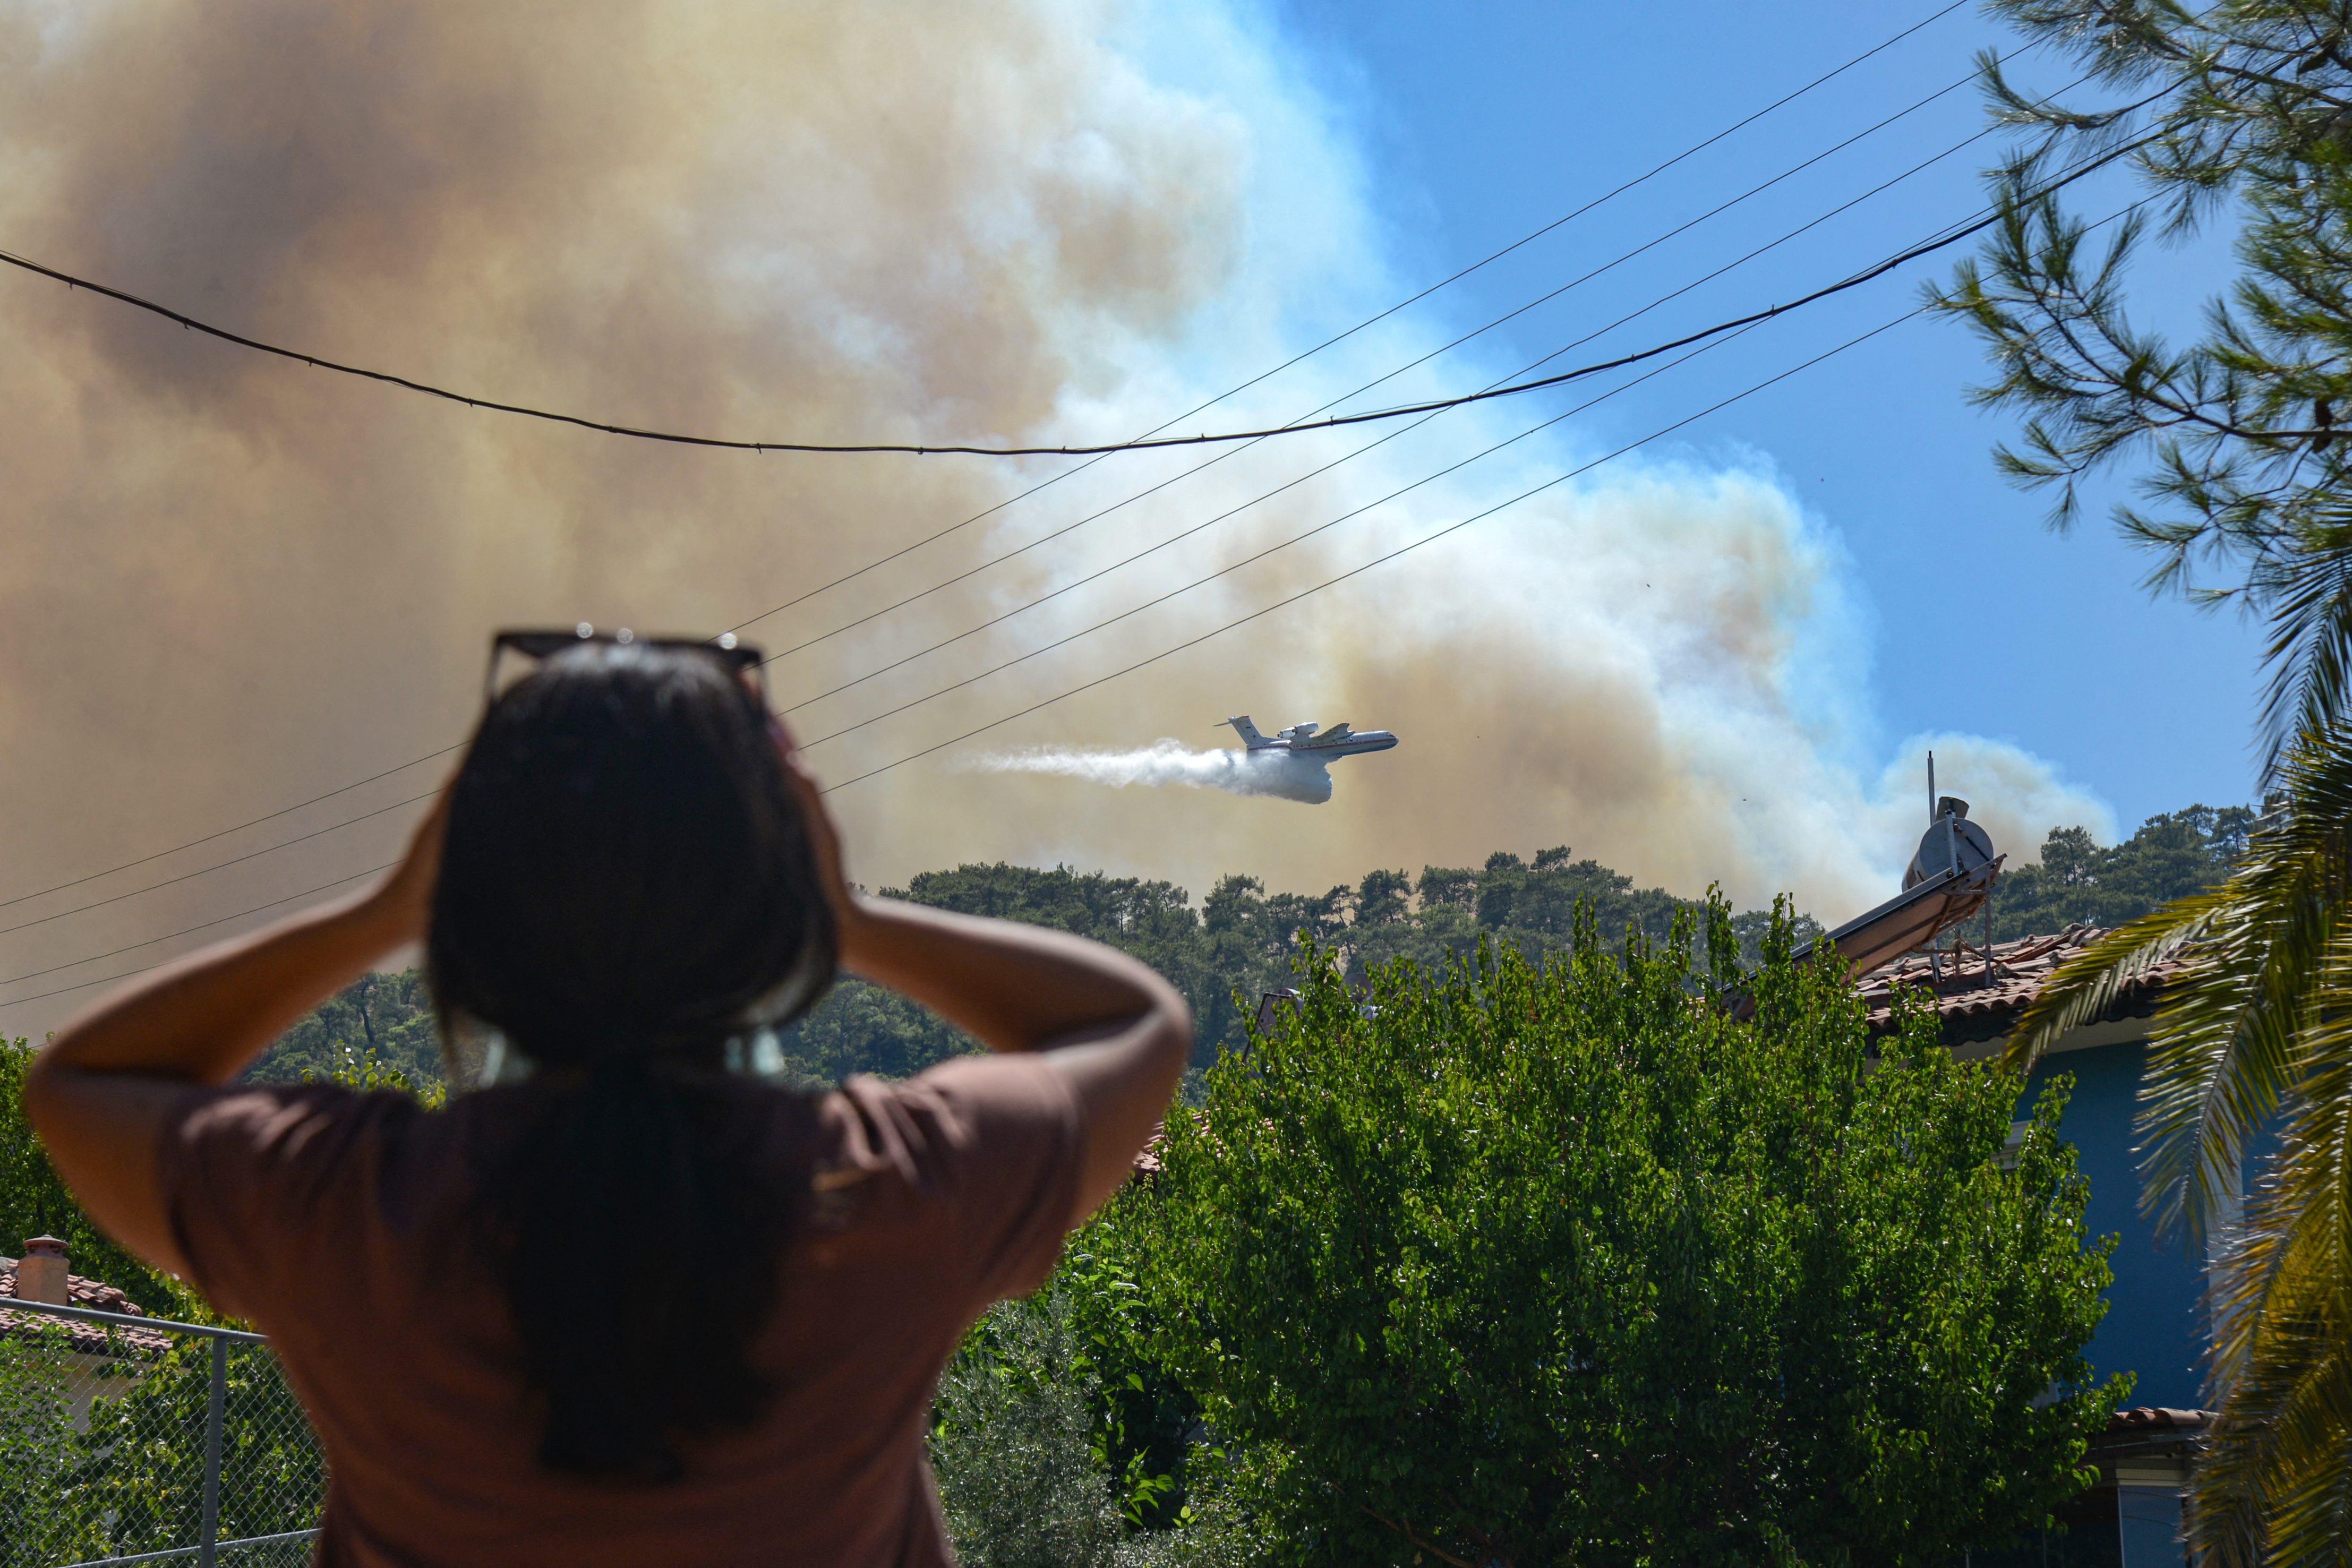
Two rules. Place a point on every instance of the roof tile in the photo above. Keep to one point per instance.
(1985, 997)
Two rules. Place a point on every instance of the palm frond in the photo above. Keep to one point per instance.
(2230, 1032)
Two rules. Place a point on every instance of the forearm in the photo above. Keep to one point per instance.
(201, 1018)
(1012, 987)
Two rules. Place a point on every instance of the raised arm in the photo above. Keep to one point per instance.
(1117, 1031)
(99, 1092)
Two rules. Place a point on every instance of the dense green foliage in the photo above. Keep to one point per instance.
(1239, 942)
(131, 1480)
(38, 1451)
(1517, 1265)
(34, 1200)
(1040, 1462)
(2173, 854)
(386, 1020)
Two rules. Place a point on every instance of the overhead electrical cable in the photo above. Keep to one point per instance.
(2087, 166)
(1609, 195)
(182, 931)
(1007, 719)
(1528, 238)
(208, 838)
(1160, 442)
(205, 871)
(320, 362)
(1326, 467)
(1227, 626)
(1402, 549)
(1235, 565)
(1377, 560)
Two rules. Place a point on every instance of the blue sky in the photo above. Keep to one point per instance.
(1478, 124)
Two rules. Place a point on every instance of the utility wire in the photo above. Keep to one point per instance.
(968, 735)
(1190, 642)
(1326, 467)
(319, 362)
(269, 849)
(2087, 167)
(1377, 560)
(1611, 195)
(1147, 445)
(208, 838)
(1373, 320)
(1407, 548)
(182, 931)
(1248, 559)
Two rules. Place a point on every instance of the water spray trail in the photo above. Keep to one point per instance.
(1274, 775)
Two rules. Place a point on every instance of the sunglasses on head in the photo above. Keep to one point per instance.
(530, 649)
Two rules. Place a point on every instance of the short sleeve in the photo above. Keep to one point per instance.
(257, 1182)
(991, 1146)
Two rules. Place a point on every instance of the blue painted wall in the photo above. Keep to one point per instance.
(2153, 1325)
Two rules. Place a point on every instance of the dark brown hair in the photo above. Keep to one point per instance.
(627, 895)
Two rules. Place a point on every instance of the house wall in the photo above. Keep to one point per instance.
(2153, 1327)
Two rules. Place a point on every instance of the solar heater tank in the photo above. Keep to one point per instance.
(1953, 840)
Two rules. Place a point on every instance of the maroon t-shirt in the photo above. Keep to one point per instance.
(336, 1221)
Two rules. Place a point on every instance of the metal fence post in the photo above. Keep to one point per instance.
(214, 1400)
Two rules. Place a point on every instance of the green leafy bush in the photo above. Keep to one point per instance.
(1519, 1265)
(1053, 1446)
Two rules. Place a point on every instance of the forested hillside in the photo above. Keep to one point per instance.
(1239, 937)
(2173, 854)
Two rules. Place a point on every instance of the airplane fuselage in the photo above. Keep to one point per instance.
(1302, 740)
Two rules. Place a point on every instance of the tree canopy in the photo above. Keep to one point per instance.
(2172, 855)
(1238, 939)
(1509, 1265)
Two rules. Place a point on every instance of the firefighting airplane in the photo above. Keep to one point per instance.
(1301, 741)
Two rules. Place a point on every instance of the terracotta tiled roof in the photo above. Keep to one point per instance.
(1982, 1001)
(87, 1336)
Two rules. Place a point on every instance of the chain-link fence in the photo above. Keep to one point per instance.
(131, 1439)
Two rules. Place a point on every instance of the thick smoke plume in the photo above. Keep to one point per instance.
(230, 584)
(1275, 775)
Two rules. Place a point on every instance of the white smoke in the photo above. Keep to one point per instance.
(1275, 775)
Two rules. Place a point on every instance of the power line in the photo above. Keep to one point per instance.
(2087, 167)
(1190, 642)
(1407, 548)
(427, 389)
(1609, 195)
(143, 968)
(182, 931)
(1246, 561)
(1589, 337)
(1377, 560)
(167, 882)
(1618, 260)
(1152, 443)
(208, 838)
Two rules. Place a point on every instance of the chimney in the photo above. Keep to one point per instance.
(41, 1272)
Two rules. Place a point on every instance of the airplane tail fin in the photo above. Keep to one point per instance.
(1246, 730)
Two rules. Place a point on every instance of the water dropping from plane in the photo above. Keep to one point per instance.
(1292, 764)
